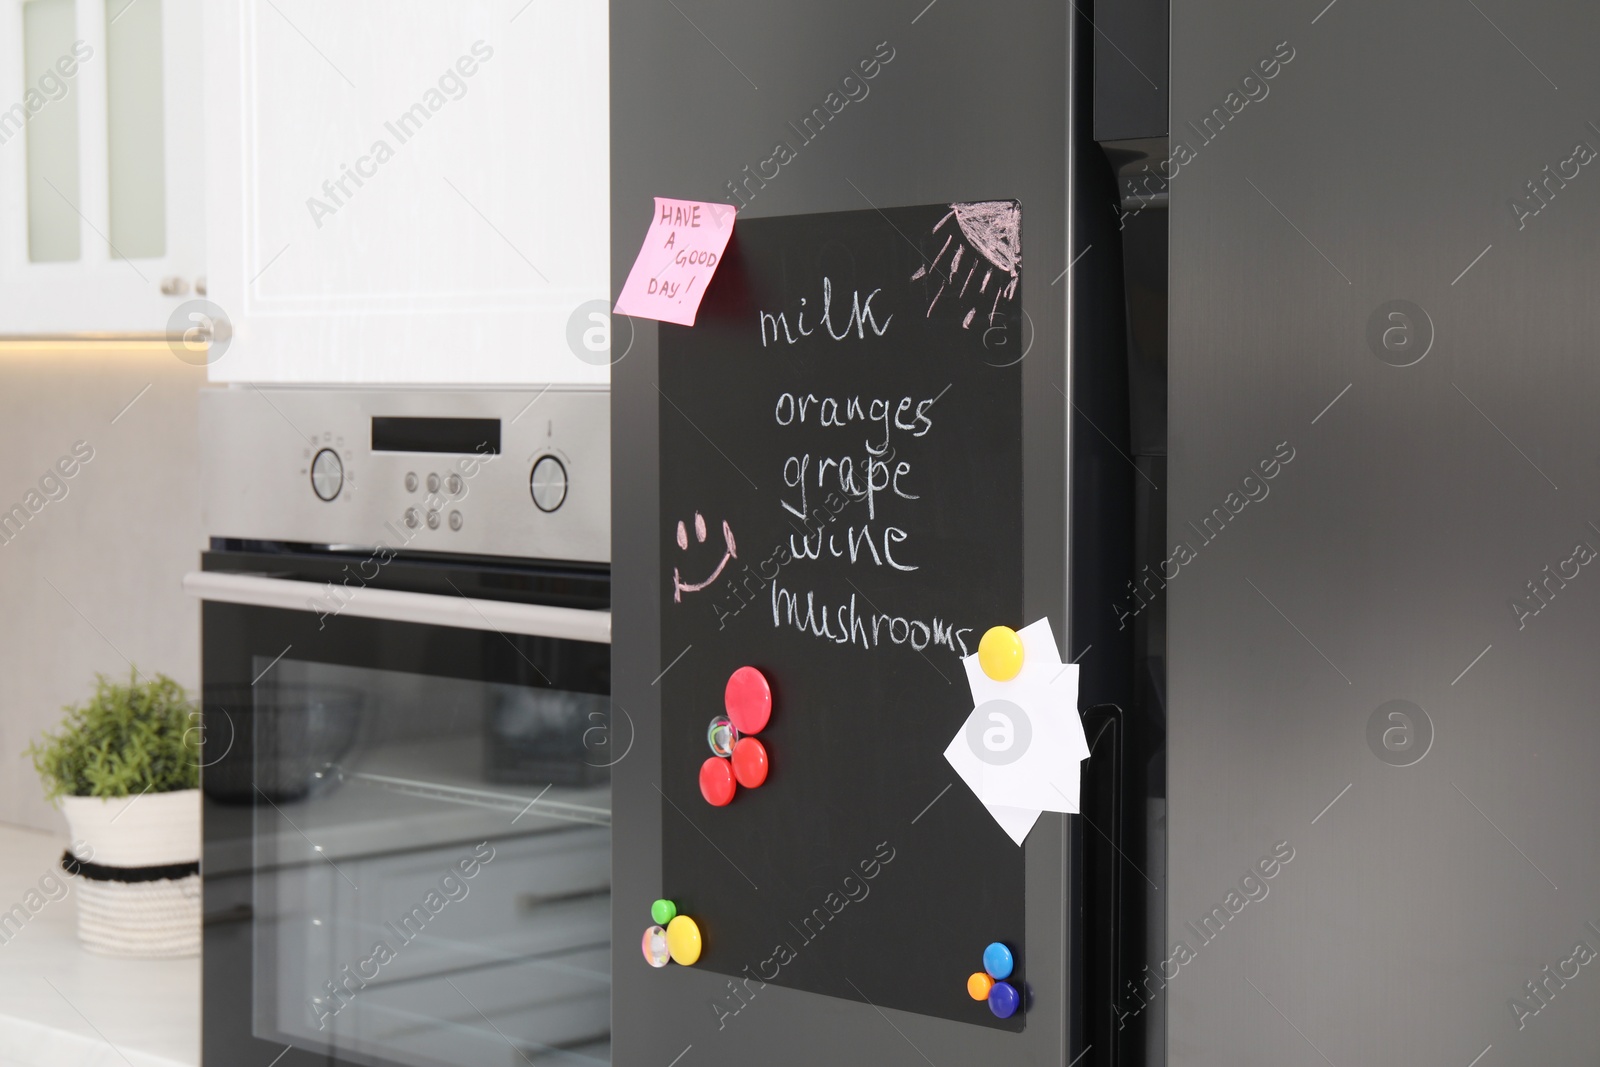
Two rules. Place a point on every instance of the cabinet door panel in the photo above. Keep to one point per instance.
(407, 192)
(102, 210)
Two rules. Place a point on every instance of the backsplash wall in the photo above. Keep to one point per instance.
(99, 521)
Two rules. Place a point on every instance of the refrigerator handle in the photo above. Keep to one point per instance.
(1106, 956)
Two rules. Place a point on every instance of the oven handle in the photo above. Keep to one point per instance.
(462, 612)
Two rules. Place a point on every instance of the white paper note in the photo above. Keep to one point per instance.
(1020, 750)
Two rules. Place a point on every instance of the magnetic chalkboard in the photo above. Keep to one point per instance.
(841, 498)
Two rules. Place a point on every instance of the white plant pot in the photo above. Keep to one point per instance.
(122, 909)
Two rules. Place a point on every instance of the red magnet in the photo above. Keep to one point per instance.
(750, 762)
(716, 781)
(748, 699)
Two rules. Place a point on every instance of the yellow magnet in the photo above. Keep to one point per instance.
(1000, 653)
(978, 985)
(683, 940)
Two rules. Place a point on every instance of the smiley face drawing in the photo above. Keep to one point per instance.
(679, 586)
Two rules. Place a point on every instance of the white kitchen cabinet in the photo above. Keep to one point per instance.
(101, 185)
(408, 191)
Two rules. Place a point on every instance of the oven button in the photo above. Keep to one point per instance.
(452, 485)
(327, 474)
(433, 483)
(433, 520)
(412, 518)
(455, 520)
(548, 483)
(411, 481)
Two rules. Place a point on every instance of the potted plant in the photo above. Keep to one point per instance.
(126, 769)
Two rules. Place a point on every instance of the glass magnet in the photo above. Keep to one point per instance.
(722, 735)
(654, 946)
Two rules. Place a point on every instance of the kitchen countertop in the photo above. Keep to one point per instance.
(61, 1006)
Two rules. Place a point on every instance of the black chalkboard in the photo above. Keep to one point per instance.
(865, 348)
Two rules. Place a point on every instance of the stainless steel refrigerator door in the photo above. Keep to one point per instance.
(974, 105)
(1360, 668)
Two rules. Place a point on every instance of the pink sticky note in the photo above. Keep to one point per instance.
(680, 254)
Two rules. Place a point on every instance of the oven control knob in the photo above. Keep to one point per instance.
(548, 483)
(327, 474)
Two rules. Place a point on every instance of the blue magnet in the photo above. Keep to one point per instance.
(998, 962)
(1003, 1000)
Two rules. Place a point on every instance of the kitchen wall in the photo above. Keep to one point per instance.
(91, 581)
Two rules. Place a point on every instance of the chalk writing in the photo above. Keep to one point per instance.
(860, 318)
(987, 255)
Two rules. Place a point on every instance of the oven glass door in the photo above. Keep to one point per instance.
(408, 844)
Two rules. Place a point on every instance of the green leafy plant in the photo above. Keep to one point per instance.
(127, 739)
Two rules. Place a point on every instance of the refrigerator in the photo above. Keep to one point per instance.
(1287, 458)
(852, 140)
(1385, 664)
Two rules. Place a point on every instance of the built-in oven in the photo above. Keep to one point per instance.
(408, 732)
